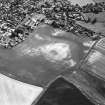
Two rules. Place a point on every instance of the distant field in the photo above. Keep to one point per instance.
(81, 2)
(99, 0)
(84, 2)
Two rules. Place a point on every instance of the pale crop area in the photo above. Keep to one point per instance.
(13, 92)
